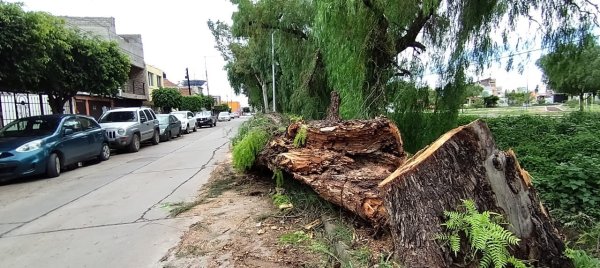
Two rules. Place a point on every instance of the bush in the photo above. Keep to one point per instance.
(195, 103)
(166, 98)
(246, 150)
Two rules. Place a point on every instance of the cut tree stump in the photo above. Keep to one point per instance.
(342, 161)
(465, 164)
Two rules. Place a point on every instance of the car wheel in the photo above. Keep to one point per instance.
(156, 137)
(53, 166)
(179, 133)
(105, 153)
(215, 124)
(187, 129)
(168, 134)
(134, 146)
(194, 129)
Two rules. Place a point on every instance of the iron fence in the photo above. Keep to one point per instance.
(18, 105)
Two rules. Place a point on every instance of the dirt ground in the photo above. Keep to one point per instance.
(240, 227)
(236, 229)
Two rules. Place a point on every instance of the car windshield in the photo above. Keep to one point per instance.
(179, 113)
(163, 119)
(203, 114)
(223, 113)
(125, 116)
(30, 127)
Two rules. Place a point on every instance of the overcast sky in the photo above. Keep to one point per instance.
(176, 36)
(174, 33)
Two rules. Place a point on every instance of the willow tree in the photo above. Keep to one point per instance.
(360, 47)
(573, 68)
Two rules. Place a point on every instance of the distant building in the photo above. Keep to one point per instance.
(235, 106)
(196, 87)
(155, 79)
(135, 90)
(489, 86)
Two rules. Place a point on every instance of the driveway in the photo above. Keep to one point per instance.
(111, 214)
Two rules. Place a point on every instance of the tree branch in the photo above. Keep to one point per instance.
(408, 39)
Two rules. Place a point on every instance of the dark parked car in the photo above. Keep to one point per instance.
(46, 144)
(206, 118)
(169, 125)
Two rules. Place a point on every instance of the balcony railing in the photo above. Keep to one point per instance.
(132, 87)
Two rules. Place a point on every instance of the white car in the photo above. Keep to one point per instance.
(188, 121)
(224, 116)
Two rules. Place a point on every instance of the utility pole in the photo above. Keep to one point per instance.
(273, 67)
(206, 74)
(187, 76)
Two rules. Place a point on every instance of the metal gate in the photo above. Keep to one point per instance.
(18, 105)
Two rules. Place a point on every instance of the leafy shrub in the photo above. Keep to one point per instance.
(581, 259)
(245, 151)
(300, 138)
(166, 98)
(484, 234)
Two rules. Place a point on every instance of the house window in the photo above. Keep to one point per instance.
(158, 81)
(150, 79)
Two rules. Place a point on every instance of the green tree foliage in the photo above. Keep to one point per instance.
(573, 68)
(221, 108)
(167, 98)
(195, 103)
(44, 56)
(518, 98)
(359, 47)
(473, 90)
(490, 101)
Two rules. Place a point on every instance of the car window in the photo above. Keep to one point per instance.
(148, 115)
(143, 117)
(173, 119)
(163, 120)
(152, 113)
(190, 114)
(88, 124)
(121, 116)
(73, 124)
(30, 127)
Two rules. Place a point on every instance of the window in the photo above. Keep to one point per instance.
(152, 113)
(73, 124)
(124, 116)
(190, 114)
(88, 124)
(150, 79)
(143, 117)
(148, 115)
(158, 81)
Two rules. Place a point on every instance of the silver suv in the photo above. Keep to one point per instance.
(128, 127)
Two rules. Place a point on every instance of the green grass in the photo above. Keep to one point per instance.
(294, 238)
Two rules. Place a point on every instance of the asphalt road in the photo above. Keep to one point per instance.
(111, 214)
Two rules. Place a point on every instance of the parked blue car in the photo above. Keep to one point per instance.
(46, 144)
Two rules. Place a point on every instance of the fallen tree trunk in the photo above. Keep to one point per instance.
(465, 164)
(342, 161)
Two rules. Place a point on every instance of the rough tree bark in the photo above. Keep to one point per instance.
(342, 161)
(465, 164)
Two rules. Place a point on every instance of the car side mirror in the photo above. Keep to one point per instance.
(68, 131)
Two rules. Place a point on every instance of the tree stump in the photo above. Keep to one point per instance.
(342, 161)
(465, 164)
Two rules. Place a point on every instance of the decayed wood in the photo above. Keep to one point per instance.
(342, 161)
(465, 164)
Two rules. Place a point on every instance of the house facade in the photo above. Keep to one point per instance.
(155, 78)
(135, 91)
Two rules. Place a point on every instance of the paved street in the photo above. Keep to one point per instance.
(110, 214)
